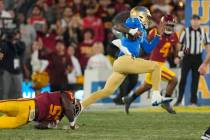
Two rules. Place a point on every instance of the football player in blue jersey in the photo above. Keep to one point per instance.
(128, 61)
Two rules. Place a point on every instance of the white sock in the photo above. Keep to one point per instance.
(156, 97)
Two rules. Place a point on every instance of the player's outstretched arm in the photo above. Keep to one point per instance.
(68, 107)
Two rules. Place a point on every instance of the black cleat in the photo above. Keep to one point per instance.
(168, 108)
(206, 135)
(127, 101)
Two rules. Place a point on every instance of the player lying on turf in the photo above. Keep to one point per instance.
(168, 41)
(128, 63)
(46, 109)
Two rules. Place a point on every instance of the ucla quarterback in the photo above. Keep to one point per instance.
(128, 61)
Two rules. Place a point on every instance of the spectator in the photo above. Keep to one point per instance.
(110, 13)
(39, 77)
(28, 35)
(24, 6)
(50, 2)
(102, 8)
(192, 40)
(47, 36)
(76, 71)
(180, 19)
(59, 66)
(4, 14)
(95, 23)
(90, 3)
(13, 66)
(36, 19)
(78, 8)
(63, 23)
(48, 11)
(37, 64)
(98, 60)
(84, 50)
(120, 6)
(59, 8)
(162, 5)
(72, 35)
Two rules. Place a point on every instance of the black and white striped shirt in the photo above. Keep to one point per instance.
(194, 40)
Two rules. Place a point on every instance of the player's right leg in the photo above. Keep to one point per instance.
(170, 77)
(111, 85)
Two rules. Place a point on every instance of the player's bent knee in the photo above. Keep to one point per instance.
(148, 86)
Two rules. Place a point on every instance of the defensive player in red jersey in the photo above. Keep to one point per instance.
(46, 109)
(168, 41)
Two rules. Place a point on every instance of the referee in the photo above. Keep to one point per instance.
(192, 40)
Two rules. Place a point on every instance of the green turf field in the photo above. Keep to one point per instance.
(115, 125)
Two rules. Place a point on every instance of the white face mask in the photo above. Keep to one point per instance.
(169, 29)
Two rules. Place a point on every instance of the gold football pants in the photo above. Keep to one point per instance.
(122, 66)
(16, 112)
(166, 74)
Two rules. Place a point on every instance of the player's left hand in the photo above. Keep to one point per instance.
(67, 127)
(76, 126)
(137, 34)
(203, 69)
(134, 33)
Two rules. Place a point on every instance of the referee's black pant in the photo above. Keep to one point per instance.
(190, 62)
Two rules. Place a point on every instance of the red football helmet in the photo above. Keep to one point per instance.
(168, 21)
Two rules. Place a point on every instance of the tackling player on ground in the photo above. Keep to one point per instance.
(46, 109)
(168, 41)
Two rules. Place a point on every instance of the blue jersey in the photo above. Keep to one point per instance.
(134, 46)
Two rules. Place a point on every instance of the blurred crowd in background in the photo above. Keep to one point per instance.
(70, 36)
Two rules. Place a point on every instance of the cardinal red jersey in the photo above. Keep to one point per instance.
(166, 43)
(49, 107)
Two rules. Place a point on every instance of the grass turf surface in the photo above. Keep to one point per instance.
(115, 125)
